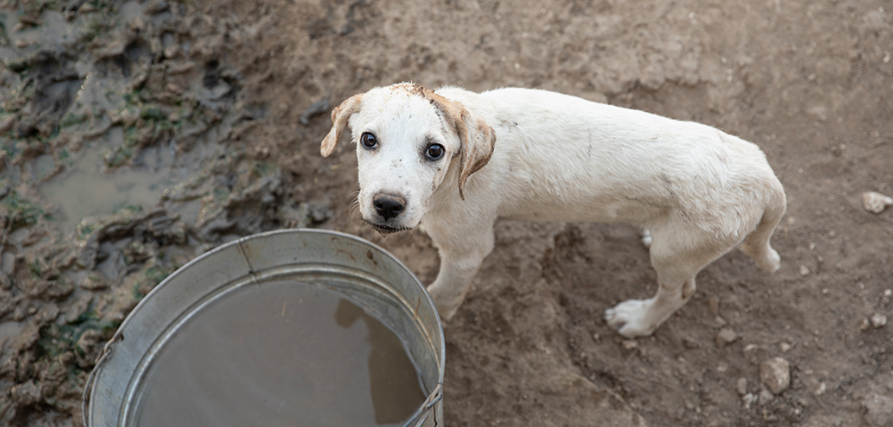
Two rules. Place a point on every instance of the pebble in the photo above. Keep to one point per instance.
(775, 373)
(784, 347)
(748, 399)
(742, 386)
(713, 304)
(630, 344)
(766, 396)
(804, 270)
(888, 294)
(725, 337)
(864, 325)
(878, 320)
(875, 202)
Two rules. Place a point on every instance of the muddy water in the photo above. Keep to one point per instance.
(280, 354)
(86, 190)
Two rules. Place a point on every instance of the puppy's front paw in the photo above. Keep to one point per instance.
(446, 306)
(628, 318)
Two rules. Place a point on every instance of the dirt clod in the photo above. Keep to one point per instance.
(878, 320)
(875, 202)
(775, 373)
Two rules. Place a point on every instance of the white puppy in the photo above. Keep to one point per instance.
(453, 161)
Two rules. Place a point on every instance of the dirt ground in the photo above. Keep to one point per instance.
(222, 105)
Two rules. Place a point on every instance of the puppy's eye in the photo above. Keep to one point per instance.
(369, 141)
(434, 152)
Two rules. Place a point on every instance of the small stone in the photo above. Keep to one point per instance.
(784, 347)
(864, 325)
(630, 344)
(748, 400)
(875, 202)
(878, 320)
(888, 295)
(742, 386)
(776, 374)
(713, 304)
(821, 388)
(725, 337)
(804, 270)
(766, 396)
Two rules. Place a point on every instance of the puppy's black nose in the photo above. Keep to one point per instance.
(388, 206)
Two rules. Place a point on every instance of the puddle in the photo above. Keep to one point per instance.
(290, 354)
(85, 190)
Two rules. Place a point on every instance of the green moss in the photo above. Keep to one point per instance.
(20, 211)
(56, 339)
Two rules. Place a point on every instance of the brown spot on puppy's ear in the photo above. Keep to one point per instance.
(477, 147)
(340, 115)
(477, 139)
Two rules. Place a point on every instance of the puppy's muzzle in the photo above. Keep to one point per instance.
(388, 205)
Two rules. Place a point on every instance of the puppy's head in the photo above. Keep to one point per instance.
(408, 139)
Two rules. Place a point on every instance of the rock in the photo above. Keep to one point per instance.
(742, 386)
(630, 344)
(864, 325)
(748, 400)
(766, 396)
(725, 337)
(878, 320)
(776, 374)
(804, 270)
(875, 202)
(784, 347)
(878, 410)
(888, 295)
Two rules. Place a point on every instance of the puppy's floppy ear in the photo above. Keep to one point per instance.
(340, 116)
(478, 140)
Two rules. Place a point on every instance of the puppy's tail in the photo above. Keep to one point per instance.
(757, 245)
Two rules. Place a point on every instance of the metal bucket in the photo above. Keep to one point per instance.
(350, 266)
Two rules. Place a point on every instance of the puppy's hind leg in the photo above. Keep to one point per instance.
(757, 243)
(678, 253)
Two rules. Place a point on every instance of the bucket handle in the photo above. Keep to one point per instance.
(435, 396)
(88, 386)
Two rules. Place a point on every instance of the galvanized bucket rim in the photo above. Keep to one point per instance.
(435, 395)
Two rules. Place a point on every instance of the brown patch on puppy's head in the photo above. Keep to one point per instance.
(477, 139)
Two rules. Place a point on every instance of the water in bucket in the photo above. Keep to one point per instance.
(280, 353)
